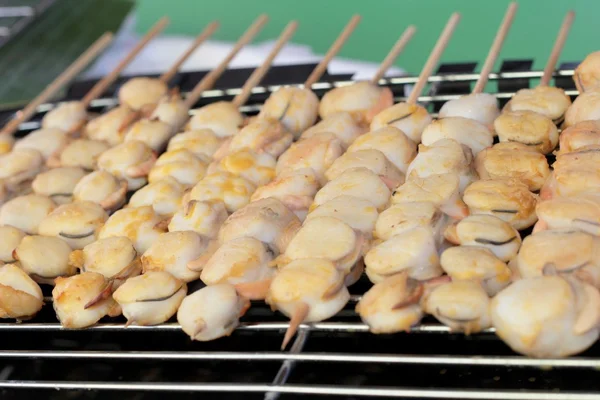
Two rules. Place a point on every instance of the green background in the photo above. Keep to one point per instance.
(533, 32)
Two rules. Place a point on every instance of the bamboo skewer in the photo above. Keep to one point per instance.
(394, 53)
(495, 49)
(333, 50)
(261, 71)
(434, 57)
(209, 79)
(561, 38)
(201, 38)
(105, 82)
(68, 75)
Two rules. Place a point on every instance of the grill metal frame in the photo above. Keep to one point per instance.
(298, 354)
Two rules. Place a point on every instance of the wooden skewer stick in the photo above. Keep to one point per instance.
(394, 53)
(260, 72)
(209, 79)
(320, 69)
(105, 82)
(496, 47)
(434, 57)
(561, 38)
(201, 38)
(68, 75)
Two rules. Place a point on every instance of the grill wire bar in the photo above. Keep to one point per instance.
(321, 354)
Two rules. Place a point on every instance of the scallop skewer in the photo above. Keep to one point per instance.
(72, 116)
(482, 107)
(408, 116)
(539, 108)
(20, 166)
(142, 96)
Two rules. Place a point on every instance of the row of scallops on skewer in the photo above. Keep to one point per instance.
(305, 213)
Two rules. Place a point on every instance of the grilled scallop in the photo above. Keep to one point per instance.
(529, 128)
(513, 160)
(46, 141)
(103, 188)
(231, 190)
(296, 189)
(244, 262)
(140, 224)
(111, 126)
(477, 264)
(486, 231)
(202, 143)
(326, 238)
(202, 217)
(155, 134)
(222, 117)
(141, 91)
(307, 290)
(581, 213)
(58, 183)
(392, 142)
(548, 316)
(76, 223)
(357, 182)
(204, 319)
(481, 107)
(463, 306)
(172, 252)
(11, 237)
(317, 152)
(258, 168)
(113, 257)
(549, 101)
(181, 164)
(172, 111)
(586, 76)
(363, 100)
(507, 199)
(68, 117)
(359, 214)
(405, 216)
(463, 130)
(267, 220)
(411, 119)
(574, 173)
(150, 299)
(261, 136)
(413, 251)
(392, 305)
(129, 161)
(442, 190)
(19, 167)
(79, 153)
(443, 156)
(578, 136)
(296, 108)
(81, 300)
(44, 258)
(341, 124)
(20, 297)
(163, 195)
(371, 159)
(562, 252)
(26, 212)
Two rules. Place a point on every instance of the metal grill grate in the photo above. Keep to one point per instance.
(338, 357)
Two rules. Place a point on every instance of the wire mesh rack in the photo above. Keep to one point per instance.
(338, 357)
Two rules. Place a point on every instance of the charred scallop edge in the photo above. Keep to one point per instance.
(159, 298)
(391, 121)
(505, 211)
(493, 242)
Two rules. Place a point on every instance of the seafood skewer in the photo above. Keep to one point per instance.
(482, 107)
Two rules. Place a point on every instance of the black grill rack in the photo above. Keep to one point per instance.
(334, 358)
